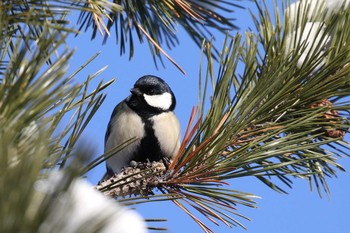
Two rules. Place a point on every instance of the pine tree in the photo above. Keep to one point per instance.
(282, 117)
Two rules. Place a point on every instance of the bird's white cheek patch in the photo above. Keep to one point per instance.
(162, 101)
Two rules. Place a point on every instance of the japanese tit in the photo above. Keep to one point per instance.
(147, 115)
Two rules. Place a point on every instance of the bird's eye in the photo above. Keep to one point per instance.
(151, 92)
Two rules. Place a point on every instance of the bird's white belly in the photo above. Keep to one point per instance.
(167, 130)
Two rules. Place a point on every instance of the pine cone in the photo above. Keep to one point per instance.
(134, 180)
(331, 113)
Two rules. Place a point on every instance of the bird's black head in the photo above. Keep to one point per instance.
(151, 95)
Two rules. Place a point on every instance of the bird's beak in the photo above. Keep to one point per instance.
(135, 91)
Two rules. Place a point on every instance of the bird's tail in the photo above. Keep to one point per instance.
(109, 174)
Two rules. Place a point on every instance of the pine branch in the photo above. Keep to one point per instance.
(35, 96)
(276, 120)
(157, 22)
(24, 140)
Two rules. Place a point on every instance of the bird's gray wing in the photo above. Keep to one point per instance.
(110, 172)
(116, 109)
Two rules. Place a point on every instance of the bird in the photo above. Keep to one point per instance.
(147, 116)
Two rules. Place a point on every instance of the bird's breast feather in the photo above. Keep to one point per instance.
(167, 131)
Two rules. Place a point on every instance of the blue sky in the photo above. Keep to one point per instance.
(301, 211)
